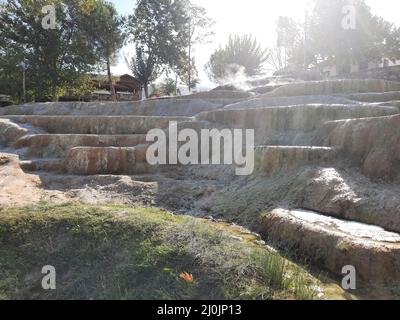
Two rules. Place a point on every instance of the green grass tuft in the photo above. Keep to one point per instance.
(114, 252)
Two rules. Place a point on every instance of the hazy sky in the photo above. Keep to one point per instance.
(257, 17)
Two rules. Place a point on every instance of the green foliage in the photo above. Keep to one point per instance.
(82, 86)
(57, 58)
(157, 29)
(392, 44)
(144, 67)
(10, 77)
(53, 55)
(243, 55)
(198, 26)
(194, 83)
(104, 27)
(189, 74)
(168, 87)
(289, 37)
(115, 252)
(275, 272)
(326, 39)
(164, 32)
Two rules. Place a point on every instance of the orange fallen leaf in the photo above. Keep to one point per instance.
(187, 277)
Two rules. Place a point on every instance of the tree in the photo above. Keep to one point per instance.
(157, 27)
(392, 45)
(104, 26)
(198, 26)
(57, 56)
(168, 87)
(242, 55)
(189, 74)
(288, 38)
(144, 66)
(10, 76)
(370, 40)
(194, 83)
(326, 39)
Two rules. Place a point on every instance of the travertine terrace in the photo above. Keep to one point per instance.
(326, 183)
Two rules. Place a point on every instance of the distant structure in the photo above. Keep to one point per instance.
(331, 69)
(127, 88)
(5, 100)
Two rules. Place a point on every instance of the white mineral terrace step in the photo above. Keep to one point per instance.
(305, 118)
(218, 94)
(46, 145)
(107, 160)
(47, 164)
(375, 97)
(165, 107)
(335, 243)
(265, 101)
(10, 132)
(270, 159)
(371, 143)
(111, 125)
(330, 87)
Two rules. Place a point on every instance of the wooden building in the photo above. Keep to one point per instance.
(127, 88)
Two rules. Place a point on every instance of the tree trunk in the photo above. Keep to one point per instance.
(146, 90)
(54, 93)
(305, 41)
(190, 59)
(24, 86)
(54, 80)
(176, 84)
(112, 89)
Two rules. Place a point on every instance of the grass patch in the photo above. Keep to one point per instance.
(114, 252)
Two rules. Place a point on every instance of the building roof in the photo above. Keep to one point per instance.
(128, 77)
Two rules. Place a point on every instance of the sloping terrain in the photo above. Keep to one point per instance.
(112, 252)
(325, 188)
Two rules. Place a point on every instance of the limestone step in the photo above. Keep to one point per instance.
(108, 125)
(372, 143)
(271, 159)
(265, 101)
(10, 132)
(330, 87)
(164, 107)
(290, 125)
(47, 164)
(107, 160)
(334, 243)
(375, 96)
(219, 94)
(391, 103)
(264, 89)
(46, 145)
(345, 193)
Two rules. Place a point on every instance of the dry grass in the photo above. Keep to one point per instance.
(113, 252)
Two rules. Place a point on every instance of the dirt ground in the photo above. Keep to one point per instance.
(17, 187)
(168, 190)
(211, 192)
